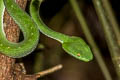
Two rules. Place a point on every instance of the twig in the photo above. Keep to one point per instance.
(90, 39)
(111, 17)
(109, 35)
(48, 71)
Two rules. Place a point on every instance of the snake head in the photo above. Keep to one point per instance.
(77, 47)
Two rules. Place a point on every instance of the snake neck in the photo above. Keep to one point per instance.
(34, 11)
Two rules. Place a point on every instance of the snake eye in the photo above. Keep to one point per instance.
(78, 54)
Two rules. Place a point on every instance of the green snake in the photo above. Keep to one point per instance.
(28, 27)
(74, 46)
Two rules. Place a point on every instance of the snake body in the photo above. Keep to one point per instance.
(28, 27)
(75, 46)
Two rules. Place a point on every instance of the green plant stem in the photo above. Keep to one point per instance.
(90, 39)
(38, 63)
(109, 35)
(111, 17)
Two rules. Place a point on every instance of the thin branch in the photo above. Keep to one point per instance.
(109, 35)
(110, 15)
(90, 39)
(48, 71)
